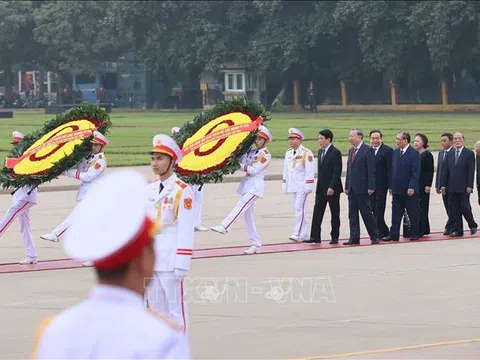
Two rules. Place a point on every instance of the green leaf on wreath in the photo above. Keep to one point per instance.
(80, 151)
(240, 104)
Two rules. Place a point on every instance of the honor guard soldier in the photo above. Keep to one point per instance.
(23, 199)
(254, 163)
(171, 202)
(112, 229)
(87, 171)
(298, 179)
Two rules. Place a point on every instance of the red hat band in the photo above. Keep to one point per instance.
(131, 250)
(166, 150)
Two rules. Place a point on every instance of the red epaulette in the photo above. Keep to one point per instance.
(181, 184)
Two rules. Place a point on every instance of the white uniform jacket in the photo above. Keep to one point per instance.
(112, 323)
(254, 163)
(87, 171)
(298, 171)
(22, 195)
(173, 209)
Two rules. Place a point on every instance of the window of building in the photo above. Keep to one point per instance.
(235, 82)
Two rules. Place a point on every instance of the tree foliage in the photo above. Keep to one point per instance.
(292, 39)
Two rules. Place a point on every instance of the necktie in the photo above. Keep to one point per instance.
(161, 188)
(375, 150)
(322, 154)
(294, 152)
(401, 152)
(457, 154)
(353, 154)
(444, 155)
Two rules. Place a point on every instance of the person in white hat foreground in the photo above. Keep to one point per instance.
(23, 199)
(197, 198)
(298, 179)
(171, 202)
(112, 228)
(88, 171)
(254, 164)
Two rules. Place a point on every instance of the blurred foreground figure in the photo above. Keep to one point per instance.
(111, 229)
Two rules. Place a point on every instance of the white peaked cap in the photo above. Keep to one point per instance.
(164, 144)
(17, 136)
(265, 133)
(99, 138)
(110, 226)
(292, 132)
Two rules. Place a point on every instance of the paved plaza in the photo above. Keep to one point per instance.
(392, 301)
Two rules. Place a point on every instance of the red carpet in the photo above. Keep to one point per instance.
(230, 251)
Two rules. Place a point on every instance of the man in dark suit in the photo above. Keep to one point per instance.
(457, 181)
(447, 143)
(403, 185)
(359, 186)
(477, 152)
(383, 163)
(329, 188)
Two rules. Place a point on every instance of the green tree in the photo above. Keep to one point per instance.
(449, 28)
(382, 32)
(78, 36)
(15, 37)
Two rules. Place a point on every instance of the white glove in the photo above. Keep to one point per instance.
(308, 188)
(180, 274)
(284, 188)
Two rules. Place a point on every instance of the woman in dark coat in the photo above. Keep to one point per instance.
(425, 182)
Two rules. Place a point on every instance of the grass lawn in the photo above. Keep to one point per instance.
(132, 132)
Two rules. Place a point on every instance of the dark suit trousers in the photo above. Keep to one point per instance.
(460, 206)
(378, 202)
(400, 203)
(423, 207)
(321, 201)
(450, 222)
(356, 203)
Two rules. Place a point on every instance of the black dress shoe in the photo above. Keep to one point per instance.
(351, 242)
(473, 231)
(456, 234)
(413, 238)
(334, 242)
(389, 238)
(377, 241)
(447, 232)
(313, 241)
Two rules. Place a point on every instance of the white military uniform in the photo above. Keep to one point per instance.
(23, 199)
(173, 207)
(298, 179)
(197, 195)
(87, 171)
(111, 228)
(254, 163)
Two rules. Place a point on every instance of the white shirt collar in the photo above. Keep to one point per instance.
(116, 294)
(328, 147)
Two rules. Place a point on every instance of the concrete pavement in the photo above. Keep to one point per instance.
(378, 302)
